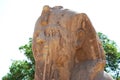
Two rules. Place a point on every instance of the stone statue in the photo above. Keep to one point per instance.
(66, 47)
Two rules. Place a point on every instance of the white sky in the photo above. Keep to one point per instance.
(18, 17)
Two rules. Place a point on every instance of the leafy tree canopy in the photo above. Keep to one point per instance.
(112, 54)
(22, 70)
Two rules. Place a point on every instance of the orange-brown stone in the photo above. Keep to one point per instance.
(66, 47)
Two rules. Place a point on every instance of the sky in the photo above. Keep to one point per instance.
(18, 17)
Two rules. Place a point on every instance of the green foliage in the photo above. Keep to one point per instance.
(24, 70)
(112, 54)
(27, 49)
(20, 70)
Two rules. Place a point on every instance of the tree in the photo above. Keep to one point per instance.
(27, 49)
(20, 70)
(112, 54)
(24, 70)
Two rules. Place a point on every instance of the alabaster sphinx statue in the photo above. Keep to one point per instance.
(66, 47)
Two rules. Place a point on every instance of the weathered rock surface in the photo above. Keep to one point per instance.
(66, 47)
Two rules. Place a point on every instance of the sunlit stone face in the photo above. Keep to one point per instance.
(66, 47)
(52, 50)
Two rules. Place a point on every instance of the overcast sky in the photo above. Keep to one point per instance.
(18, 17)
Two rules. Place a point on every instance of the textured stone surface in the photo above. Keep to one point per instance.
(66, 47)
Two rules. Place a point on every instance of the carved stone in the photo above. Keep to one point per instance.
(66, 47)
